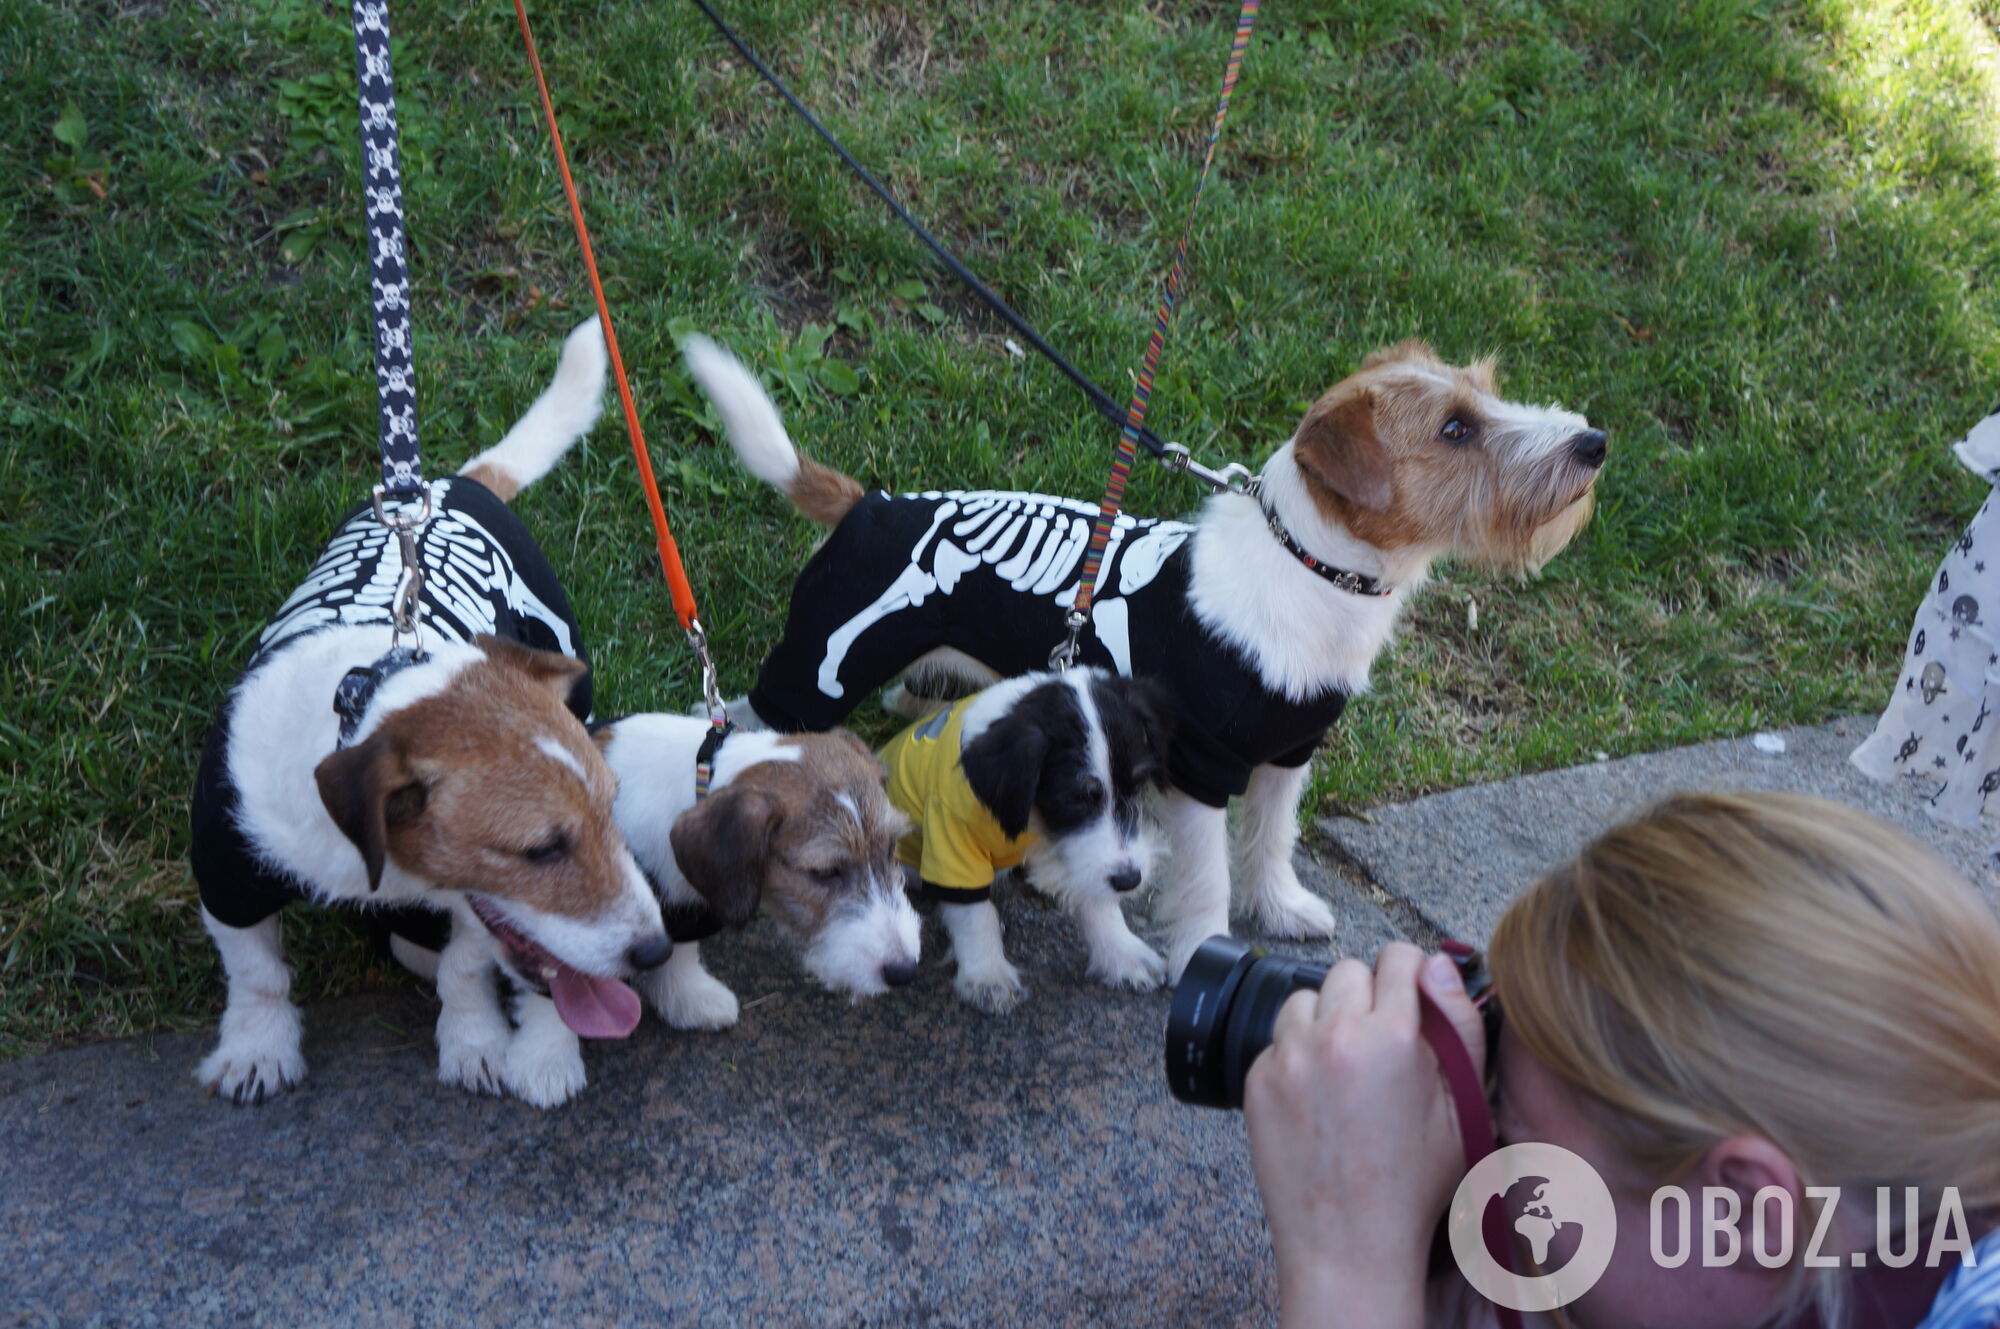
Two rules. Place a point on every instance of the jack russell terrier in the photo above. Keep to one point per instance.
(1263, 615)
(458, 778)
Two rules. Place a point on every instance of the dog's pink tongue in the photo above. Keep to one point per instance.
(594, 1007)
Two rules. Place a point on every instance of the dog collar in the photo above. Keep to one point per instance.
(704, 757)
(357, 687)
(1355, 583)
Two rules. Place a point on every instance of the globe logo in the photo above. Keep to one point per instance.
(1545, 1203)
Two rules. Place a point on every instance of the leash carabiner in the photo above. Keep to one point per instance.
(711, 688)
(1234, 478)
(405, 611)
(1066, 652)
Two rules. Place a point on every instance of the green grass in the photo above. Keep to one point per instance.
(1753, 240)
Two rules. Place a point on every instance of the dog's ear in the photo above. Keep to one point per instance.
(367, 789)
(723, 844)
(1410, 348)
(561, 673)
(1337, 445)
(1004, 767)
(861, 748)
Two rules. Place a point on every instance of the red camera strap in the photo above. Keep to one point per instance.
(1475, 1125)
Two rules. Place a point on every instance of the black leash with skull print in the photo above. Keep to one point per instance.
(402, 499)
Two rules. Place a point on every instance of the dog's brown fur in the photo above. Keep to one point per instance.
(455, 789)
(1374, 460)
(780, 831)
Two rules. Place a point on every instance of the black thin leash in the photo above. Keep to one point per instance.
(1170, 454)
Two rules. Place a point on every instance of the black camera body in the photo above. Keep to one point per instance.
(1226, 1006)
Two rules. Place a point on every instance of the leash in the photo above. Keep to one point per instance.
(389, 282)
(1065, 654)
(1172, 456)
(678, 588)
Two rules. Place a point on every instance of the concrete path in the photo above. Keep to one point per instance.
(904, 1161)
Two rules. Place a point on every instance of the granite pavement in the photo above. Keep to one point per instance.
(901, 1161)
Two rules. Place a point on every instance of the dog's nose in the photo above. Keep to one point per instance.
(1588, 447)
(1126, 879)
(899, 973)
(650, 953)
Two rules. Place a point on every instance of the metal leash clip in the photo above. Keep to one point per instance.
(405, 620)
(1065, 653)
(711, 688)
(1235, 478)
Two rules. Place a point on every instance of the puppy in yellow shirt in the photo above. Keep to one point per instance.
(1047, 771)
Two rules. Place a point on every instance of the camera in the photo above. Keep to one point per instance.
(1227, 1004)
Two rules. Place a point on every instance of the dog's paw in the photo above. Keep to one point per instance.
(1128, 963)
(995, 989)
(478, 1064)
(258, 1057)
(1186, 938)
(1284, 908)
(690, 997)
(543, 1071)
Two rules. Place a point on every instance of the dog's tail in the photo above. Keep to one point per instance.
(751, 421)
(560, 416)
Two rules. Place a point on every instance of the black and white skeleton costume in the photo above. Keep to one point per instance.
(483, 574)
(1942, 725)
(992, 574)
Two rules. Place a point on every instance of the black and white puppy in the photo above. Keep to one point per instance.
(1049, 772)
(459, 781)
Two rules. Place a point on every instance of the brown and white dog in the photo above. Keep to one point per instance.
(461, 781)
(800, 825)
(1263, 615)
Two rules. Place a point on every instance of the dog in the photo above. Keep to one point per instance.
(1263, 615)
(799, 825)
(1048, 772)
(459, 779)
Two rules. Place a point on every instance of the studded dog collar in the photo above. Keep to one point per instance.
(1355, 583)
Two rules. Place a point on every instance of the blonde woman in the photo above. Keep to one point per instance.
(1734, 992)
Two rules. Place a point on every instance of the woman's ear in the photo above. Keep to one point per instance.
(1725, 1185)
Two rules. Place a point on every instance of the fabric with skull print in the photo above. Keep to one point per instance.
(1941, 726)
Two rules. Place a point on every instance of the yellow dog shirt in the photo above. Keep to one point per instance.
(958, 846)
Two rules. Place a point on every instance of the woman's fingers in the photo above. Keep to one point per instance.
(1349, 989)
(1396, 982)
(1445, 986)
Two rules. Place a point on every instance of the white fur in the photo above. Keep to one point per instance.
(564, 413)
(859, 942)
(1300, 633)
(544, 1066)
(554, 748)
(1192, 900)
(1266, 882)
(986, 979)
(258, 1054)
(686, 995)
(752, 424)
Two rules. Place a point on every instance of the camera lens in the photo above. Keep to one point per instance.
(1223, 1012)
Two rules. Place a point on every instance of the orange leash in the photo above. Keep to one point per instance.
(670, 554)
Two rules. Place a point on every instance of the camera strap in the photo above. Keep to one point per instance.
(1475, 1127)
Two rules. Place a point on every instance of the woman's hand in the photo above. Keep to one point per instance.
(1354, 1140)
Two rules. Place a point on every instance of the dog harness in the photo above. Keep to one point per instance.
(483, 574)
(958, 846)
(993, 574)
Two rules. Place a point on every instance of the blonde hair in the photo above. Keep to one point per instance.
(1775, 966)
